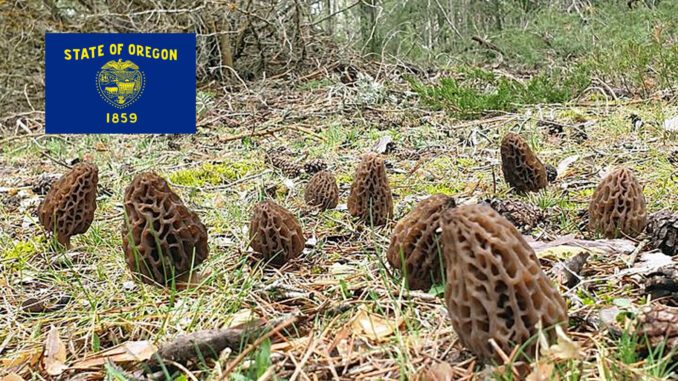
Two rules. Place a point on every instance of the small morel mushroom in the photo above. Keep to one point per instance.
(662, 228)
(495, 288)
(415, 243)
(275, 233)
(370, 198)
(521, 167)
(68, 209)
(322, 191)
(618, 206)
(314, 166)
(162, 239)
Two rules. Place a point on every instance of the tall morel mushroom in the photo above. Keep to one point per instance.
(68, 208)
(415, 243)
(275, 233)
(618, 206)
(322, 191)
(495, 288)
(370, 198)
(521, 167)
(162, 239)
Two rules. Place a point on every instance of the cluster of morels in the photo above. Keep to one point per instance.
(497, 295)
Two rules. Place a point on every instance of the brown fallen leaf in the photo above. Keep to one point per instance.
(54, 356)
(372, 326)
(436, 372)
(542, 372)
(27, 358)
(131, 351)
(12, 377)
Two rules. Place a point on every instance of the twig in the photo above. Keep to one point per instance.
(634, 254)
(254, 345)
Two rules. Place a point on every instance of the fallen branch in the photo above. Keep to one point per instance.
(210, 343)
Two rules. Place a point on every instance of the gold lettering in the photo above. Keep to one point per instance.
(67, 54)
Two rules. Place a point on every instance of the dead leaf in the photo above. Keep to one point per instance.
(12, 377)
(436, 372)
(564, 348)
(100, 146)
(131, 351)
(561, 252)
(671, 125)
(241, 317)
(383, 144)
(565, 164)
(54, 356)
(372, 326)
(24, 358)
(542, 372)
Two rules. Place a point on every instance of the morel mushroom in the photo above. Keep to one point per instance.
(415, 243)
(495, 288)
(275, 233)
(370, 198)
(521, 167)
(618, 206)
(68, 209)
(322, 191)
(162, 239)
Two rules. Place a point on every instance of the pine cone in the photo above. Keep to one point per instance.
(673, 157)
(280, 157)
(523, 216)
(314, 166)
(551, 173)
(289, 168)
(662, 228)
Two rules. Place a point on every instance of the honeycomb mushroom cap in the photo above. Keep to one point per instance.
(162, 239)
(275, 233)
(69, 206)
(521, 167)
(415, 243)
(495, 286)
(322, 191)
(618, 206)
(370, 198)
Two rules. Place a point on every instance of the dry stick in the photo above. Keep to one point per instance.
(251, 134)
(634, 254)
(260, 340)
(309, 349)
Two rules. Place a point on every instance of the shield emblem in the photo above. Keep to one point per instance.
(120, 83)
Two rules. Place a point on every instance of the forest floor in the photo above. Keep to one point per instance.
(353, 318)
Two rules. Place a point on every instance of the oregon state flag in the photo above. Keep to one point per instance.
(106, 83)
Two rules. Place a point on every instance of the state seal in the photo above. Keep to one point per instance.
(120, 83)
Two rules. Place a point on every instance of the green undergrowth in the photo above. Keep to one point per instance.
(479, 92)
(214, 173)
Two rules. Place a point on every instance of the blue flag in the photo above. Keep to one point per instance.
(107, 83)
